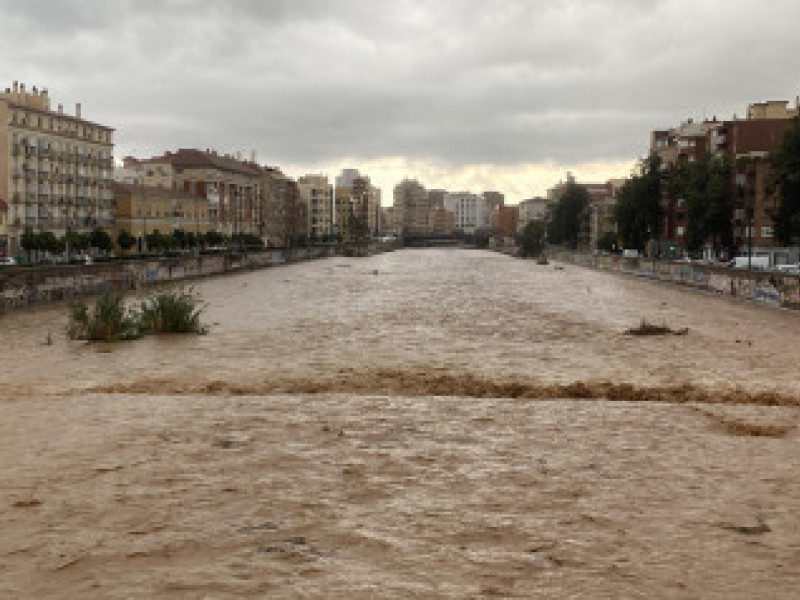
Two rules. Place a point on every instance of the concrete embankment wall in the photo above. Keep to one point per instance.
(764, 287)
(23, 287)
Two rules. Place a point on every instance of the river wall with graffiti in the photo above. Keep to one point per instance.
(769, 288)
(25, 287)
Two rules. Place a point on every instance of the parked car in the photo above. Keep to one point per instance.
(7, 260)
(788, 269)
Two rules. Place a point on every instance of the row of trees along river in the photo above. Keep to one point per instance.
(707, 187)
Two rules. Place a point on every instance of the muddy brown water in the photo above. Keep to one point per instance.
(425, 423)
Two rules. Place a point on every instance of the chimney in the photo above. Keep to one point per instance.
(78, 110)
(22, 88)
(61, 109)
(16, 87)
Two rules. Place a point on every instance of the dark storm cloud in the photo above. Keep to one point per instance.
(460, 82)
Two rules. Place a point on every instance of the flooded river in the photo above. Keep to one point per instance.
(424, 423)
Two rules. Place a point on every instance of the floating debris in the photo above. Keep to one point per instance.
(646, 328)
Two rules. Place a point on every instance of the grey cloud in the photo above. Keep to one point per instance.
(461, 82)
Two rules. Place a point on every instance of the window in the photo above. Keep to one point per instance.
(766, 232)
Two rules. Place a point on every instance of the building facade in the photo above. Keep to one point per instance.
(505, 221)
(316, 193)
(56, 169)
(746, 144)
(285, 216)
(411, 208)
(532, 209)
(358, 205)
(143, 210)
(470, 212)
(232, 187)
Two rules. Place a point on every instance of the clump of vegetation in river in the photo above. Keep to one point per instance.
(109, 320)
(112, 319)
(171, 311)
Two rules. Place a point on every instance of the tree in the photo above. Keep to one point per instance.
(155, 241)
(531, 240)
(785, 164)
(101, 240)
(76, 241)
(705, 185)
(125, 240)
(569, 215)
(608, 242)
(638, 212)
(29, 242)
(214, 238)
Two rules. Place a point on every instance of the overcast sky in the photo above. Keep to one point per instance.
(462, 94)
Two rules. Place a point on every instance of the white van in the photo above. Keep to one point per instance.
(752, 262)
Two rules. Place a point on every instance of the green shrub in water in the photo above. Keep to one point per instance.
(110, 320)
(171, 311)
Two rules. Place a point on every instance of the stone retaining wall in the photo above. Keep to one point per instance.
(764, 287)
(23, 287)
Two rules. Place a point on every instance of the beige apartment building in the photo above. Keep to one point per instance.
(142, 210)
(56, 169)
(411, 208)
(358, 205)
(317, 195)
(232, 187)
(285, 216)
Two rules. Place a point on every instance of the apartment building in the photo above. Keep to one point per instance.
(411, 208)
(470, 212)
(357, 205)
(493, 200)
(532, 209)
(505, 220)
(316, 193)
(56, 169)
(232, 186)
(141, 210)
(285, 216)
(747, 143)
(441, 221)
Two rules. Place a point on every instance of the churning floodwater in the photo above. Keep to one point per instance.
(426, 423)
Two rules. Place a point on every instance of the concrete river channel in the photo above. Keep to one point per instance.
(422, 423)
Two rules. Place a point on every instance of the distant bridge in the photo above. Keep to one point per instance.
(434, 240)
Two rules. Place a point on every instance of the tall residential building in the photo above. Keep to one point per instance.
(752, 138)
(493, 200)
(317, 195)
(411, 208)
(357, 205)
(56, 169)
(285, 215)
(436, 198)
(469, 210)
(231, 186)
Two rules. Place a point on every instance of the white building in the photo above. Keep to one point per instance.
(533, 209)
(470, 212)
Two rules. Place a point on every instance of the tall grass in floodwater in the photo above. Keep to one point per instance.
(171, 312)
(111, 319)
